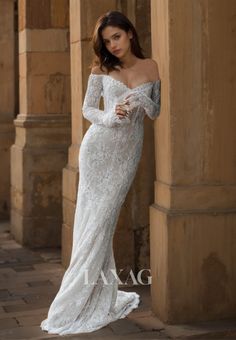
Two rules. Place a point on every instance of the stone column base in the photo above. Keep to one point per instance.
(192, 265)
(37, 159)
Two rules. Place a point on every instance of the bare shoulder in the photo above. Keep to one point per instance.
(97, 70)
(152, 68)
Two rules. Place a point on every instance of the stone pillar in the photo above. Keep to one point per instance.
(43, 124)
(193, 219)
(7, 100)
(83, 15)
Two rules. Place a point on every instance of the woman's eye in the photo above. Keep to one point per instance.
(115, 38)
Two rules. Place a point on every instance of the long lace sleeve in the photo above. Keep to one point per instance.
(90, 108)
(151, 105)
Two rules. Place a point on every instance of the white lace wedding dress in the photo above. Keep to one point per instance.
(108, 159)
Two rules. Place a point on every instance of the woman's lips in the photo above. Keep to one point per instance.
(116, 51)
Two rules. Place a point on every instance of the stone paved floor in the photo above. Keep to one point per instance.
(29, 280)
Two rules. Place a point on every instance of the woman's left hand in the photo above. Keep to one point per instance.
(133, 99)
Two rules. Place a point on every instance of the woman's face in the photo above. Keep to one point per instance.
(116, 40)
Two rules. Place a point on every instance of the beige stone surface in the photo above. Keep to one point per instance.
(34, 14)
(45, 63)
(44, 40)
(70, 184)
(160, 52)
(23, 94)
(68, 212)
(67, 233)
(37, 124)
(7, 57)
(43, 125)
(79, 55)
(197, 197)
(192, 221)
(37, 179)
(59, 13)
(45, 94)
(43, 14)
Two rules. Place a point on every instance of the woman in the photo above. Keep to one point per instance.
(88, 298)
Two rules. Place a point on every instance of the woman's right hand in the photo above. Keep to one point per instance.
(122, 110)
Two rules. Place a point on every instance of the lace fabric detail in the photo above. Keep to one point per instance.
(151, 105)
(91, 109)
(108, 159)
(138, 100)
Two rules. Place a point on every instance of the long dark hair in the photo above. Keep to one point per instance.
(103, 57)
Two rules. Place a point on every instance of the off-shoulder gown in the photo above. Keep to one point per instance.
(89, 298)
